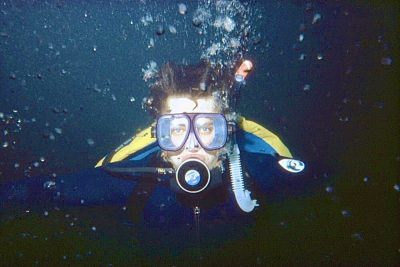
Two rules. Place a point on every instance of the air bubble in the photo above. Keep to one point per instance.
(151, 43)
(58, 130)
(147, 19)
(150, 72)
(357, 236)
(316, 18)
(49, 185)
(397, 187)
(172, 29)
(229, 24)
(160, 30)
(386, 61)
(12, 76)
(90, 142)
(182, 9)
(225, 22)
(346, 213)
(329, 189)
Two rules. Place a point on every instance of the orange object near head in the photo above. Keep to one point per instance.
(243, 70)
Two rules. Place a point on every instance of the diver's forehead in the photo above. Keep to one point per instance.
(175, 105)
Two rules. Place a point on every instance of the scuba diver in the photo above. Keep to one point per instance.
(199, 156)
(196, 144)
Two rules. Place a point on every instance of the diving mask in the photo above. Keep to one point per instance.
(173, 130)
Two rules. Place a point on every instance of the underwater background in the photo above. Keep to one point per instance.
(73, 75)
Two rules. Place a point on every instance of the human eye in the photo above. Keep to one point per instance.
(205, 129)
(178, 130)
(204, 126)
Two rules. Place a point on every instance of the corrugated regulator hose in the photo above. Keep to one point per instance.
(242, 195)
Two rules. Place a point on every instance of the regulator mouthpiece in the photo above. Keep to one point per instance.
(193, 176)
(243, 70)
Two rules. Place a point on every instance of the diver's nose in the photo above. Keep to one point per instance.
(192, 143)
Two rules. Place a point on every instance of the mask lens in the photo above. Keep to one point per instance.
(211, 130)
(172, 131)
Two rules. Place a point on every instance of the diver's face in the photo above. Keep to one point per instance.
(191, 148)
(204, 128)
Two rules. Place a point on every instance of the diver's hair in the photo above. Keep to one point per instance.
(193, 81)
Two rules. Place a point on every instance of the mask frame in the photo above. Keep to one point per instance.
(191, 120)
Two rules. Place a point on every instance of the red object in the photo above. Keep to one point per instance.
(243, 70)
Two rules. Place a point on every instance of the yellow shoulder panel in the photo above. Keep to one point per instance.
(139, 141)
(268, 137)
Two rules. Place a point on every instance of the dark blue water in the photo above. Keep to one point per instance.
(325, 80)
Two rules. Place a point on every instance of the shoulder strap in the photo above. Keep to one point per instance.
(262, 140)
(139, 141)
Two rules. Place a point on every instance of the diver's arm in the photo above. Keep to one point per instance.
(27, 190)
(89, 187)
(104, 185)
